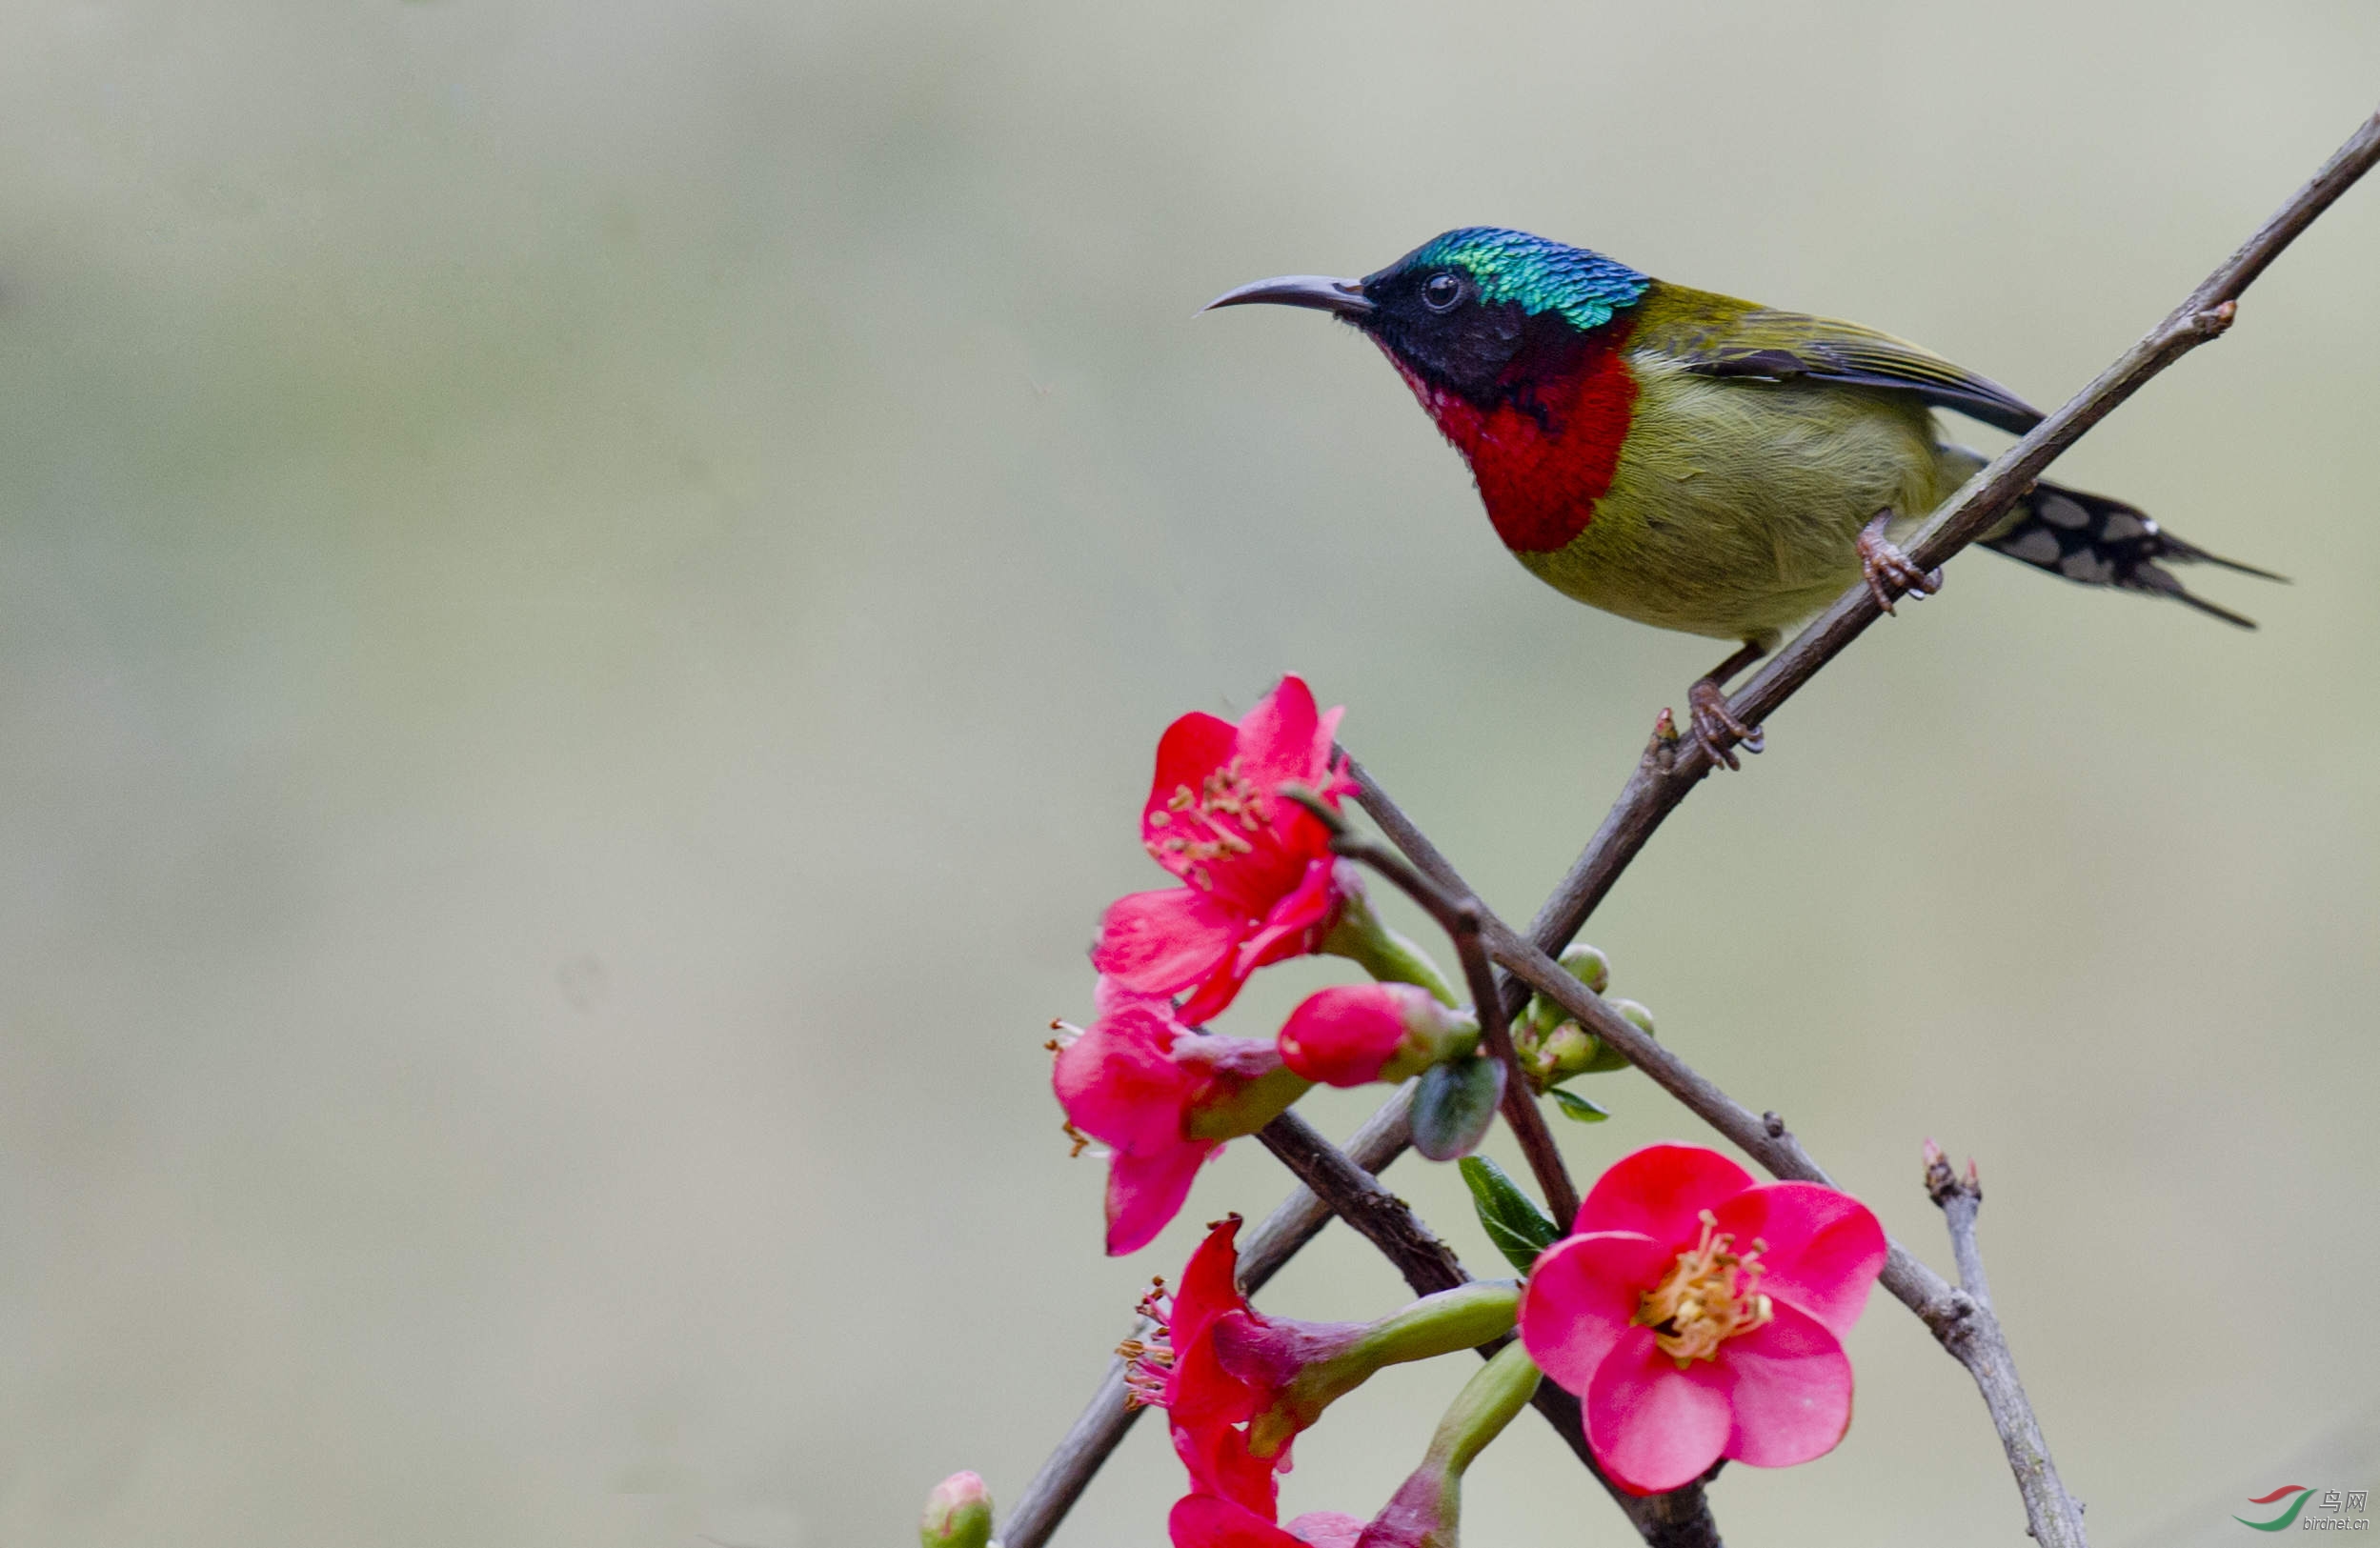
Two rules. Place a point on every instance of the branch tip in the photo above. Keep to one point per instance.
(1944, 1185)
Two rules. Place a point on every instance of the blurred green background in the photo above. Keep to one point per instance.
(585, 594)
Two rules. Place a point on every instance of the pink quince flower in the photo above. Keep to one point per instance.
(1240, 1387)
(1351, 1034)
(1216, 1364)
(1259, 882)
(1700, 1314)
(1164, 1097)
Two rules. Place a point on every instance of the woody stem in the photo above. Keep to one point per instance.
(1460, 913)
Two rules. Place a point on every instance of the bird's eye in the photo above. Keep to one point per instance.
(1440, 292)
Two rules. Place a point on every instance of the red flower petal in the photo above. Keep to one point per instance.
(1292, 925)
(1204, 1522)
(1210, 1284)
(1581, 1298)
(1118, 1081)
(1214, 995)
(1164, 941)
(1652, 1427)
(1216, 1457)
(1789, 1388)
(1661, 1191)
(1204, 1393)
(1277, 737)
(1144, 1193)
(1824, 1248)
(1192, 748)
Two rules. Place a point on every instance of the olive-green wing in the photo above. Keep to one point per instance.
(1716, 336)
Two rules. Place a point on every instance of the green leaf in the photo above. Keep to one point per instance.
(1511, 1218)
(1574, 1105)
(1453, 1106)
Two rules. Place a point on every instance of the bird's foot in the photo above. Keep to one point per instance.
(1716, 727)
(1888, 570)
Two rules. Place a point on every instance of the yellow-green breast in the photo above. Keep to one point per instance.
(1735, 506)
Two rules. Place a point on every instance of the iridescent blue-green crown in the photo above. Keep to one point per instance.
(1584, 286)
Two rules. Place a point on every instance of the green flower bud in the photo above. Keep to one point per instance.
(957, 1513)
(1611, 1059)
(1560, 1053)
(1587, 965)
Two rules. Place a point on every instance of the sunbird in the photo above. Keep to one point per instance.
(1701, 463)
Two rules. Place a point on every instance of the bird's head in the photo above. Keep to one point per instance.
(1469, 313)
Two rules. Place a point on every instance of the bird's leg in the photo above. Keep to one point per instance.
(1715, 727)
(1887, 570)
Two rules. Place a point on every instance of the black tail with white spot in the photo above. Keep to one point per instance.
(2102, 542)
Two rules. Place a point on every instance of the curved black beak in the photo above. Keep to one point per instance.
(1319, 292)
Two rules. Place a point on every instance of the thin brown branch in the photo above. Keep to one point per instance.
(1458, 911)
(1977, 1338)
(1520, 1101)
(1355, 1196)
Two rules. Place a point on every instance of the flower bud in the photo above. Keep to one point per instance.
(957, 1513)
(1587, 965)
(1544, 1014)
(1608, 1057)
(1355, 1034)
(1566, 1052)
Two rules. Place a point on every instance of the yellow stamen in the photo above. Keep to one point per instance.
(1709, 1298)
(1224, 795)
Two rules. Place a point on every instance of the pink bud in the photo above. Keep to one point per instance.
(957, 1513)
(1357, 1033)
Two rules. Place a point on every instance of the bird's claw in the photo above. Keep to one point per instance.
(1888, 570)
(1717, 728)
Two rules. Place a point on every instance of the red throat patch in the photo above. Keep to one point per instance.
(1545, 455)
